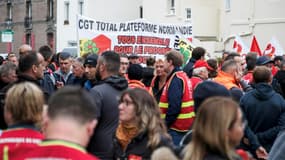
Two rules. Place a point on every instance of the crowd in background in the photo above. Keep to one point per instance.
(108, 106)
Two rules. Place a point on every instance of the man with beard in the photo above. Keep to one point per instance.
(106, 95)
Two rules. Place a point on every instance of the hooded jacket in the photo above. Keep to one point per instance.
(106, 95)
(265, 111)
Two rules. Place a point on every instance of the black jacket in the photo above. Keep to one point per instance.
(189, 67)
(155, 89)
(280, 77)
(4, 90)
(216, 156)
(148, 74)
(137, 147)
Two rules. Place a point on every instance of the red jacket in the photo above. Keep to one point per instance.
(195, 81)
(16, 136)
(50, 149)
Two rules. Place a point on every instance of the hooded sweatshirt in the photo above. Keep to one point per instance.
(106, 95)
(265, 111)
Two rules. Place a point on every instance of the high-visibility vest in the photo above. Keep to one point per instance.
(186, 116)
(136, 84)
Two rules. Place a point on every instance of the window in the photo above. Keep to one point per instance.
(8, 20)
(9, 10)
(188, 13)
(66, 10)
(80, 3)
(50, 39)
(228, 5)
(28, 18)
(141, 11)
(171, 7)
(50, 9)
(29, 8)
(28, 38)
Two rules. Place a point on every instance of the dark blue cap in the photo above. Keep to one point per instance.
(262, 60)
(206, 90)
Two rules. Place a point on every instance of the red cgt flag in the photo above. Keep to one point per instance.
(255, 47)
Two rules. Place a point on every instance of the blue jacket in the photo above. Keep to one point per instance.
(66, 79)
(175, 94)
(48, 83)
(265, 111)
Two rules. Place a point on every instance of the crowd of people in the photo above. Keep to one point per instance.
(108, 106)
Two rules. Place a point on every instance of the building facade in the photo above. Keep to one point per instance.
(214, 22)
(32, 21)
(66, 22)
(262, 18)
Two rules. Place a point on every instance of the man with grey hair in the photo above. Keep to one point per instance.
(7, 74)
(64, 75)
(200, 72)
(78, 71)
(23, 49)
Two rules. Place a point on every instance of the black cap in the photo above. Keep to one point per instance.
(91, 60)
(135, 72)
(276, 58)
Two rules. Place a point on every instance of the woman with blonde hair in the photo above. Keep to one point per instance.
(140, 130)
(23, 113)
(159, 80)
(217, 130)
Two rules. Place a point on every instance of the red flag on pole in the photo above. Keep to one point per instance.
(239, 46)
(255, 47)
(273, 48)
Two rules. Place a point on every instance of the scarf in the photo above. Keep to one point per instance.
(125, 133)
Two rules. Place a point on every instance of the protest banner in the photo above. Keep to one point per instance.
(139, 36)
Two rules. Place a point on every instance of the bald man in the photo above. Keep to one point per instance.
(23, 49)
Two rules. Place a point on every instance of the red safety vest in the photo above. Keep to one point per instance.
(186, 116)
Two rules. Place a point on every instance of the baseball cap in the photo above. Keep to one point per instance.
(91, 60)
(262, 60)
